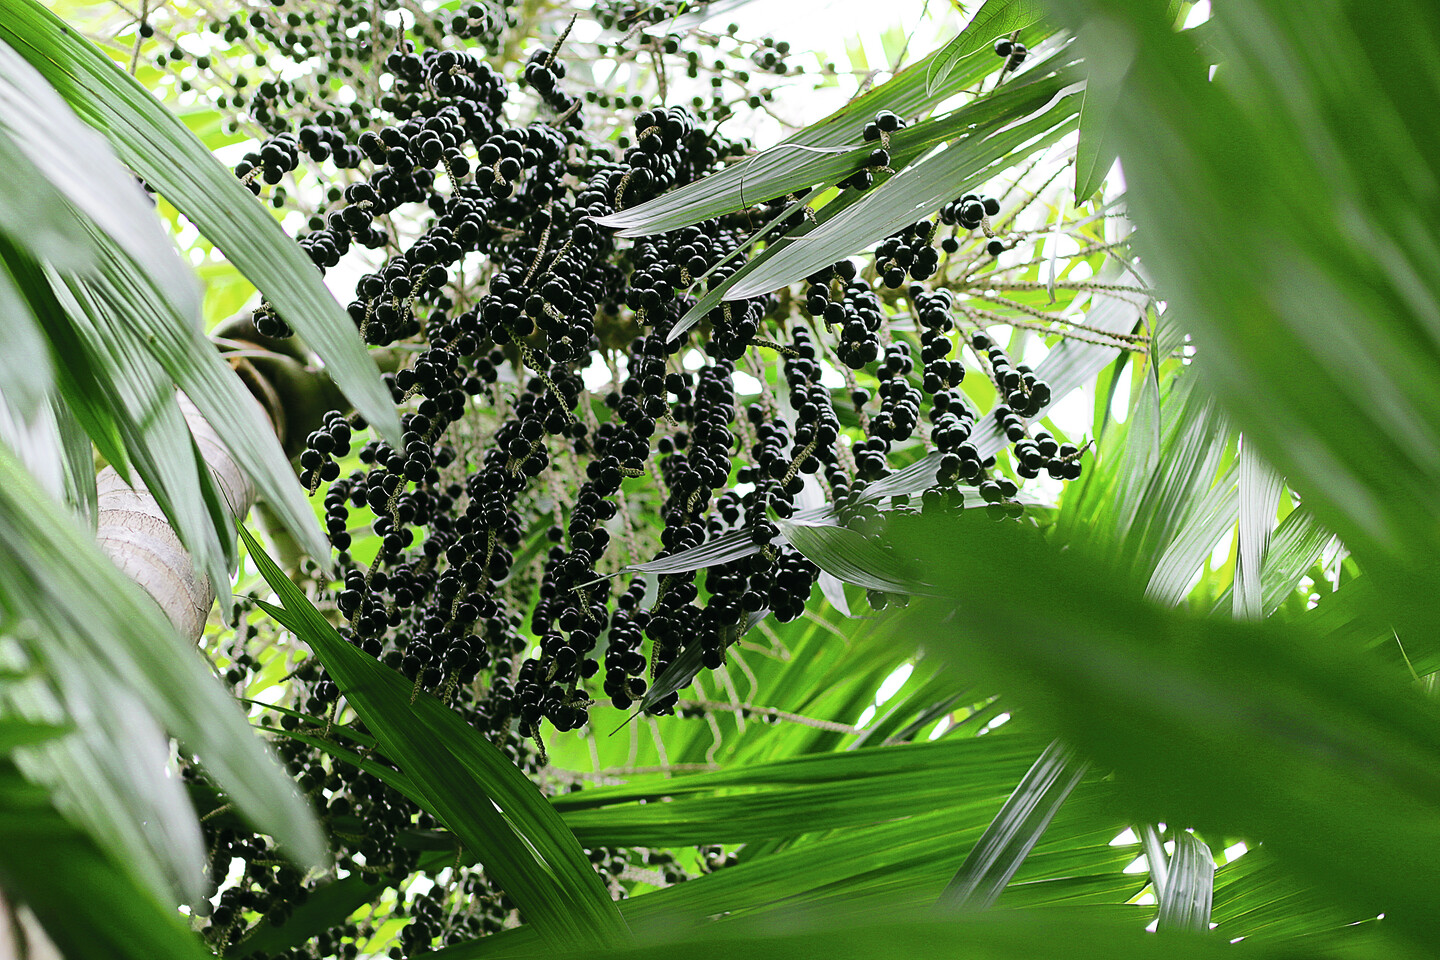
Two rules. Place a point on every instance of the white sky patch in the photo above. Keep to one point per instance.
(1194, 582)
(1120, 402)
(1221, 554)
(1074, 413)
(596, 375)
(1035, 351)
(745, 385)
(945, 724)
(1124, 838)
(1235, 851)
(1044, 489)
(1062, 247)
(888, 689)
(693, 359)
(893, 683)
(1000, 333)
(999, 721)
(273, 694)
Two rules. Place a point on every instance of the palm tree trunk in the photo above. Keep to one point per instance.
(132, 530)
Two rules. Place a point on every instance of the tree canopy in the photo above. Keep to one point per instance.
(691, 523)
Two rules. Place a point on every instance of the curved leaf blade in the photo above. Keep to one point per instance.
(994, 19)
(854, 558)
(773, 172)
(913, 193)
(1189, 886)
(478, 792)
(1016, 829)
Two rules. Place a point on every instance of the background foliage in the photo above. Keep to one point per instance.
(1190, 689)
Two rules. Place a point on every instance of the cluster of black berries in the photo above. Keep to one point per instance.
(857, 312)
(479, 23)
(1013, 51)
(543, 73)
(878, 160)
(932, 314)
(1040, 452)
(1062, 461)
(623, 15)
(276, 157)
(770, 56)
(323, 447)
(899, 399)
(998, 494)
(969, 211)
(268, 324)
(972, 212)
(951, 419)
(515, 493)
(907, 252)
(817, 428)
(1022, 392)
(885, 123)
(959, 458)
(311, 45)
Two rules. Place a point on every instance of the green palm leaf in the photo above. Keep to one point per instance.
(1231, 727)
(474, 788)
(160, 148)
(91, 630)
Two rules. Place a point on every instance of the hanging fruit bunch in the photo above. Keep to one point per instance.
(584, 507)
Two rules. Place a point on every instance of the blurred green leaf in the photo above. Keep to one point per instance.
(59, 170)
(1254, 898)
(1096, 148)
(89, 905)
(1241, 728)
(908, 935)
(800, 795)
(78, 463)
(16, 732)
(25, 366)
(143, 405)
(1300, 256)
(192, 362)
(90, 615)
(76, 383)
